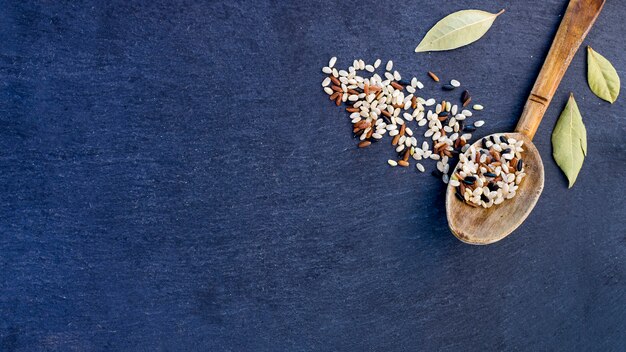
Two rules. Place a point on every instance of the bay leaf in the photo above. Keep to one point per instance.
(602, 77)
(569, 141)
(457, 29)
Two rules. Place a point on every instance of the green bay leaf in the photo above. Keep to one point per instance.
(602, 77)
(457, 29)
(569, 141)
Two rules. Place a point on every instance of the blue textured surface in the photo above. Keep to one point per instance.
(173, 178)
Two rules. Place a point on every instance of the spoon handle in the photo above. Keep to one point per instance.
(579, 17)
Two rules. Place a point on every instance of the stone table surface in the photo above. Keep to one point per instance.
(174, 179)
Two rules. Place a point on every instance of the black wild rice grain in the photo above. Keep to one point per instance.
(469, 128)
(465, 95)
(469, 180)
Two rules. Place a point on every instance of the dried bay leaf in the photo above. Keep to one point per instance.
(569, 141)
(602, 77)
(457, 29)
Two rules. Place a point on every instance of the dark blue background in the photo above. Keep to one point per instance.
(173, 178)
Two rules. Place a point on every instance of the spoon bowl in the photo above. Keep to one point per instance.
(477, 225)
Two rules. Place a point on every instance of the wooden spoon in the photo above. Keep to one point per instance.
(484, 226)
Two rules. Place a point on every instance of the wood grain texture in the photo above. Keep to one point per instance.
(484, 226)
(579, 17)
